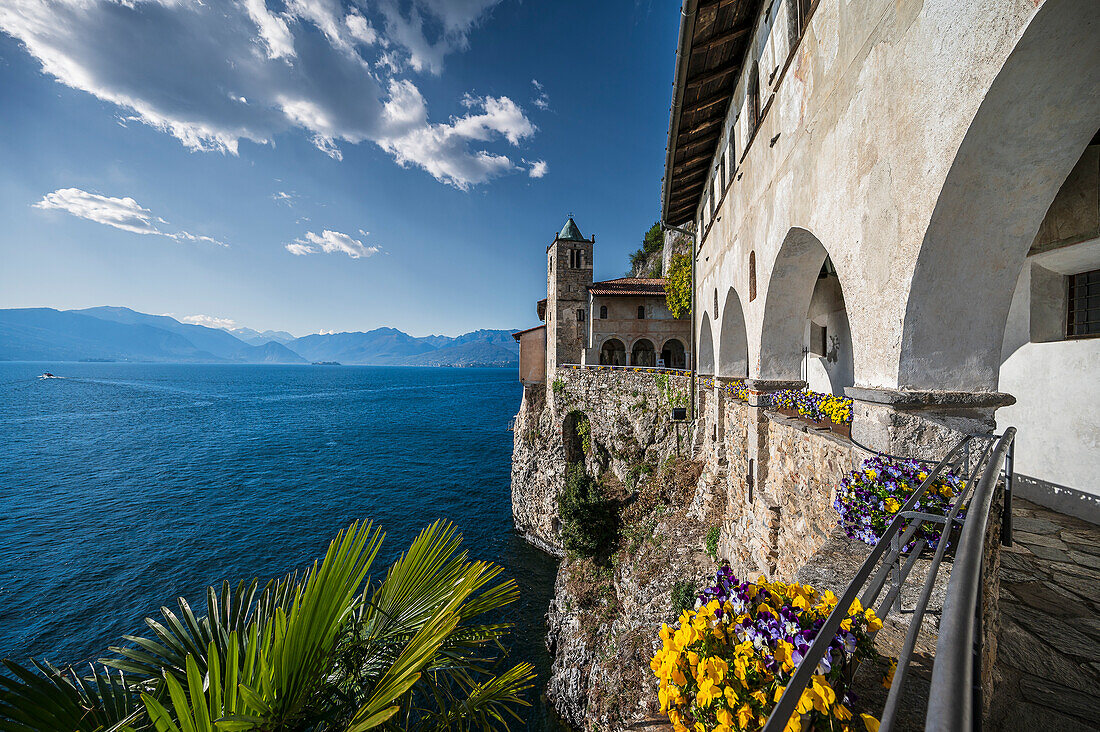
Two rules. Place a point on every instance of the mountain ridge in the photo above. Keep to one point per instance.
(111, 333)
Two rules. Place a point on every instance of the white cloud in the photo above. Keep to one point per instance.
(331, 242)
(210, 321)
(273, 29)
(442, 149)
(537, 168)
(213, 74)
(448, 21)
(284, 197)
(542, 99)
(361, 28)
(121, 213)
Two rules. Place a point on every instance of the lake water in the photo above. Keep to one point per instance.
(123, 486)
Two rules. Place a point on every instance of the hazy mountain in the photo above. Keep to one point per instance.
(256, 338)
(45, 334)
(391, 347)
(122, 334)
(472, 353)
(274, 352)
(380, 347)
(216, 341)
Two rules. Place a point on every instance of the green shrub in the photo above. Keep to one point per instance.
(678, 286)
(712, 542)
(684, 593)
(589, 522)
(584, 431)
(558, 386)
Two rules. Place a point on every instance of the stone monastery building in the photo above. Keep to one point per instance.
(620, 322)
(900, 202)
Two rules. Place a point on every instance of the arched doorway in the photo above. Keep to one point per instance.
(704, 361)
(643, 353)
(733, 341)
(613, 353)
(673, 354)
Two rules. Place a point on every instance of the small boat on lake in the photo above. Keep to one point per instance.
(48, 375)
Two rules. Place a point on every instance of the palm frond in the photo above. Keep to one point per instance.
(49, 699)
(488, 705)
(294, 653)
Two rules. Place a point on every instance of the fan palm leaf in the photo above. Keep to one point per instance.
(56, 700)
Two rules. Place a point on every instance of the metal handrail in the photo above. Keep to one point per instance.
(890, 550)
(955, 693)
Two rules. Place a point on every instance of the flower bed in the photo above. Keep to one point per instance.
(814, 406)
(867, 499)
(726, 663)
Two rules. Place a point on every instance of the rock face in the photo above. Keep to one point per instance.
(629, 414)
(604, 622)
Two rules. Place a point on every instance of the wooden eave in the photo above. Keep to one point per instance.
(714, 35)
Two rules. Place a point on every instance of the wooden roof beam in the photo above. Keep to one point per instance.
(707, 102)
(732, 35)
(692, 163)
(701, 127)
(713, 75)
(709, 139)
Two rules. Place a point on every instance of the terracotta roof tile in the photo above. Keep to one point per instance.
(624, 286)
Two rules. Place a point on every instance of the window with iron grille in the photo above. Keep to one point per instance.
(580, 316)
(1083, 318)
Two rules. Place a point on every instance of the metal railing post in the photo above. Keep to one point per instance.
(1006, 516)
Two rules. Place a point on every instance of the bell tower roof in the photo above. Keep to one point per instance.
(570, 232)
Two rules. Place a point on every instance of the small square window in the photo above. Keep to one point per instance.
(1083, 316)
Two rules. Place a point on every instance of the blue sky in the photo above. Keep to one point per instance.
(312, 165)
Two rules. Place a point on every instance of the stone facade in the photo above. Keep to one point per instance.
(568, 276)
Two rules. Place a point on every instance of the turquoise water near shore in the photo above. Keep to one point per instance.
(123, 486)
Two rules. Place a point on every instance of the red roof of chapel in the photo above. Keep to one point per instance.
(635, 286)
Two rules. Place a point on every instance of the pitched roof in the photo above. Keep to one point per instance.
(635, 286)
(537, 327)
(713, 39)
(570, 232)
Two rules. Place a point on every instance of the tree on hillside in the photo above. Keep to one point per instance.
(642, 262)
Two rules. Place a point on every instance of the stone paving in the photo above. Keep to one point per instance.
(1047, 675)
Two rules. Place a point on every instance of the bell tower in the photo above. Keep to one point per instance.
(568, 277)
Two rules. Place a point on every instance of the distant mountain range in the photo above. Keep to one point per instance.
(121, 334)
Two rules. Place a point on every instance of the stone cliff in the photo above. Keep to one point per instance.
(749, 487)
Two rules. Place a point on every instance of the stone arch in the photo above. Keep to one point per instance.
(733, 340)
(1037, 118)
(576, 436)
(642, 353)
(704, 359)
(790, 289)
(612, 353)
(674, 354)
